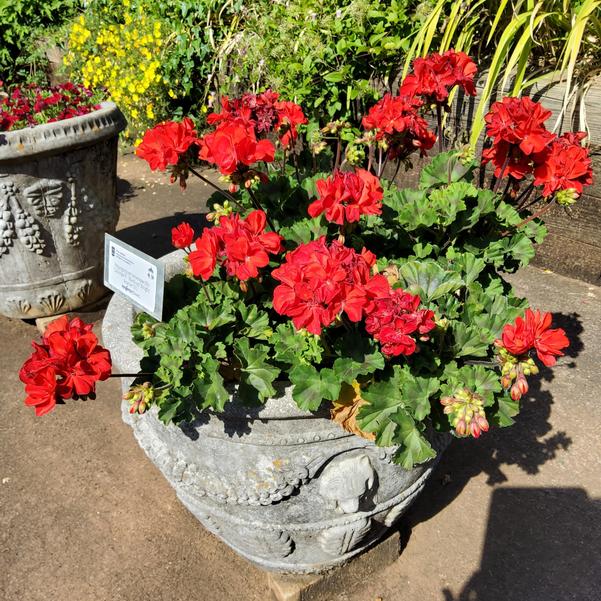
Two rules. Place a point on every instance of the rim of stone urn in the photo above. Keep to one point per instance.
(53, 138)
(126, 356)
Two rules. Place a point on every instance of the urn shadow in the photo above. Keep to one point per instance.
(542, 544)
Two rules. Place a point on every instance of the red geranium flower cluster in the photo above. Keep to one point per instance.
(31, 105)
(182, 236)
(345, 196)
(397, 121)
(233, 147)
(242, 245)
(319, 281)
(264, 113)
(517, 129)
(165, 143)
(436, 75)
(533, 331)
(395, 318)
(66, 365)
(522, 145)
(564, 165)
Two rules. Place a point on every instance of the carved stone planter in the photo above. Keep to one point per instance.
(57, 199)
(289, 490)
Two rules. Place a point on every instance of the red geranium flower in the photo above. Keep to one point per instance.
(320, 281)
(182, 236)
(395, 318)
(241, 244)
(436, 75)
(41, 391)
(165, 143)
(533, 332)
(345, 196)
(564, 165)
(233, 146)
(69, 362)
(517, 128)
(290, 116)
(397, 121)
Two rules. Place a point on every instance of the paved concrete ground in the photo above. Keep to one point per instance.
(514, 516)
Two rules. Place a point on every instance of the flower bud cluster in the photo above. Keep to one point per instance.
(140, 397)
(466, 413)
(514, 371)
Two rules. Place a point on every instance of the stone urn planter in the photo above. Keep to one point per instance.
(57, 199)
(289, 490)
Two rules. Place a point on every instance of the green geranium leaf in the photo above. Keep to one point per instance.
(414, 448)
(255, 370)
(429, 280)
(209, 387)
(444, 169)
(470, 340)
(359, 357)
(416, 395)
(466, 264)
(312, 387)
(507, 410)
(292, 346)
(257, 322)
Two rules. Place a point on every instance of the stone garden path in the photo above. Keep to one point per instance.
(513, 516)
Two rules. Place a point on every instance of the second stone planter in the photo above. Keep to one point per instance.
(57, 199)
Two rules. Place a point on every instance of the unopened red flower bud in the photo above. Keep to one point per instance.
(515, 392)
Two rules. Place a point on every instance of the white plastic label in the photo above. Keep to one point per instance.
(135, 275)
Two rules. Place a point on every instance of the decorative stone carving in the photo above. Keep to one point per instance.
(57, 200)
(339, 540)
(20, 304)
(85, 290)
(345, 482)
(52, 302)
(45, 196)
(287, 506)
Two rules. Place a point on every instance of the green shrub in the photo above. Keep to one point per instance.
(24, 25)
(335, 53)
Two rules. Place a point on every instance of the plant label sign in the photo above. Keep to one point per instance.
(135, 275)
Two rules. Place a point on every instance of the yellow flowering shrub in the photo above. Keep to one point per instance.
(123, 57)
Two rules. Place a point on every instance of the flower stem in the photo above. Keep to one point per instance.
(502, 174)
(440, 134)
(522, 199)
(535, 215)
(216, 187)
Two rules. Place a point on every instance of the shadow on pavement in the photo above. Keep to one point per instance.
(542, 544)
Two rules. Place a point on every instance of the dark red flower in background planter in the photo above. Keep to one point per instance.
(233, 146)
(345, 196)
(564, 165)
(242, 245)
(397, 122)
(67, 364)
(436, 75)
(533, 331)
(182, 236)
(163, 145)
